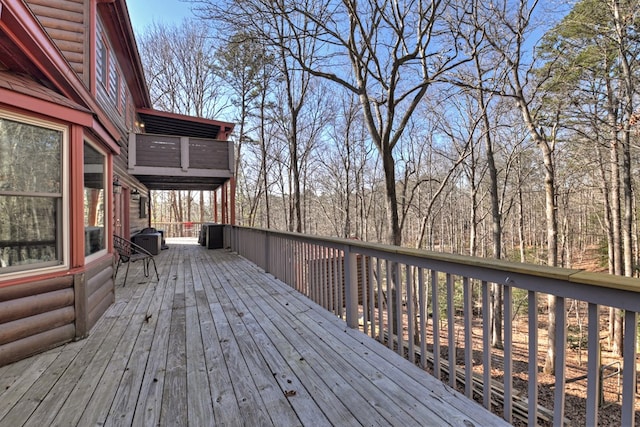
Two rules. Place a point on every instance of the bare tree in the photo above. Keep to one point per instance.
(178, 63)
(387, 54)
(512, 21)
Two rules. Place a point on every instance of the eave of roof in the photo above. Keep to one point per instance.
(23, 92)
(115, 16)
(165, 123)
(24, 36)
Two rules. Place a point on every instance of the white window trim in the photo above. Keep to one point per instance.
(66, 229)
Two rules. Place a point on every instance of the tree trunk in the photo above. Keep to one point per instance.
(521, 236)
(496, 219)
(201, 218)
(552, 252)
(393, 223)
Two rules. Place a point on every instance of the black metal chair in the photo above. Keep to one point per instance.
(129, 252)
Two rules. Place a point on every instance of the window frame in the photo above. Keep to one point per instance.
(107, 218)
(63, 237)
(108, 71)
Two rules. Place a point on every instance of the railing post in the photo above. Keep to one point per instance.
(132, 151)
(629, 373)
(351, 287)
(184, 153)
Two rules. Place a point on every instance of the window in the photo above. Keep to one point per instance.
(31, 194)
(101, 60)
(113, 80)
(107, 74)
(94, 200)
(123, 97)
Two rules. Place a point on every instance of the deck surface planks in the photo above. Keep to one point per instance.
(216, 341)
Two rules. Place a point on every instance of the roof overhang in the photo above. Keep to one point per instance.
(115, 17)
(164, 123)
(160, 182)
(27, 48)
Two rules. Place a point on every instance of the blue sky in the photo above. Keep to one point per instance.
(145, 12)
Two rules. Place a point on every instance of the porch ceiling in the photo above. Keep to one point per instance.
(164, 123)
(158, 182)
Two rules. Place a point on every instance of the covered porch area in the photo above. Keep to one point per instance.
(218, 342)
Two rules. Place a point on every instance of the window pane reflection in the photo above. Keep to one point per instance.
(94, 200)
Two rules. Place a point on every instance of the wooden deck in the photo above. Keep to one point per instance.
(218, 342)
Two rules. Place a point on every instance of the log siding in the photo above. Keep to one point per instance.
(99, 290)
(66, 21)
(35, 316)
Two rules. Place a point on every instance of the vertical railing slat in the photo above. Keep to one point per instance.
(629, 369)
(410, 314)
(468, 344)
(451, 330)
(365, 294)
(267, 253)
(337, 291)
(435, 306)
(389, 306)
(380, 301)
(372, 304)
(532, 300)
(324, 276)
(486, 346)
(593, 365)
(329, 280)
(508, 353)
(561, 343)
(398, 325)
(351, 287)
(340, 283)
(423, 319)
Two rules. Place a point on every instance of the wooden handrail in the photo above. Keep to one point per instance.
(402, 283)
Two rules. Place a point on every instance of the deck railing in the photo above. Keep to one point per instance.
(147, 152)
(441, 303)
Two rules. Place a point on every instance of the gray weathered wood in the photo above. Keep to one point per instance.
(218, 342)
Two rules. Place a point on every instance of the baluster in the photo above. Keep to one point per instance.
(561, 344)
(532, 299)
(435, 306)
(372, 304)
(593, 366)
(486, 345)
(380, 301)
(508, 353)
(629, 373)
(410, 315)
(389, 306)
(423, 318)
(399, 321)
(468, 344)
(451, 329)
(365, 294)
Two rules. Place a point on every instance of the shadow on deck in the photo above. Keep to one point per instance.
(218, 342)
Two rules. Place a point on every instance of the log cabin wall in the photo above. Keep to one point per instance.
(136, 222)
(43, 314)
(36, 316)
(100, 290)
(66, 22)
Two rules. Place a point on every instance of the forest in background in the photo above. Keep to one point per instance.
(504, 129)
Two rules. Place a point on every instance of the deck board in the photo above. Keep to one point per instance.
(216, 341)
